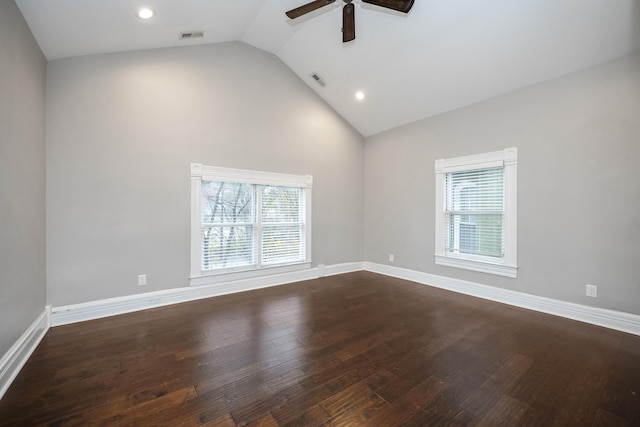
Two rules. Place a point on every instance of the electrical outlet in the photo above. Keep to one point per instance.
(391, 257)
(592, 291)
(142, 279)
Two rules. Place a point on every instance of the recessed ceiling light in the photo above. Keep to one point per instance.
(359, 95)
(145, 13)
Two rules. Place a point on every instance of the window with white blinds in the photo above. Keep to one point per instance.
(282, 225)
(228, 225)
(475, 212)
(248, 220)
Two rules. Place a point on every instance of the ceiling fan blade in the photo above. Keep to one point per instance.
(399, 5)
(348, 23)
(309, 7)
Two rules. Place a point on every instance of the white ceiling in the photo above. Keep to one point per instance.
(443, 55)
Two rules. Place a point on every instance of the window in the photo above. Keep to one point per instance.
(476, 212)
(247, 221)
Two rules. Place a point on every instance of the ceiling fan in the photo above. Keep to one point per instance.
(348, 12)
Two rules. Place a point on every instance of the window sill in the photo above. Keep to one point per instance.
(482, 267)
(212, 278)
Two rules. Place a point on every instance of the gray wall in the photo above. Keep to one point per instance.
(122, 130)
(578, 138)
(22, 174)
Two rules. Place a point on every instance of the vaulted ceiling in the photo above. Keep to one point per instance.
(443, 55)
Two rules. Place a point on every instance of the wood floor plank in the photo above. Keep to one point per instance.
(584, 394)
(506, 412)
(265, 420)
(346, 350)
(445, 408)
(607, 419)
(315, 416)
(410, 405)
(355, 394)
(488, 394)
(289, 410)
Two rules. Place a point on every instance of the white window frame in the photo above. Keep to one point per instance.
(200, 173)
(507, 265)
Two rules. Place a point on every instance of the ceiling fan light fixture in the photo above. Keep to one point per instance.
(145, 13)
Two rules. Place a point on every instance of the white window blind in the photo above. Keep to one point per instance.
(228, 224)
(474, 212)
(282, 225)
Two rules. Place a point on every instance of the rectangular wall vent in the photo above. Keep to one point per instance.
(191, 35)
(318, 79)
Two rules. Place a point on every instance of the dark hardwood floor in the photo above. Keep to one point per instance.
(349, 350)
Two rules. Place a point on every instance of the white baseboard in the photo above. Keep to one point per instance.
(611, 319)
(109, 307)
(335, 269)
(14, 359)
(617, 320)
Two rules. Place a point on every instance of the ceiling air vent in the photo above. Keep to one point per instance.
(318, 79)
(191, 35)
